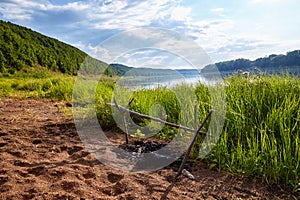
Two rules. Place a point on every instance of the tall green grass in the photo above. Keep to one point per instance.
(262, 131)
(58, 87)
(261, 135)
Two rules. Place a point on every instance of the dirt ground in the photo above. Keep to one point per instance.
(42, 157)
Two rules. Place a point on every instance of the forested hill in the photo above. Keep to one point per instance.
(21, 49)
(271, 64)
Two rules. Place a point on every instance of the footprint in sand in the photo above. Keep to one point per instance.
(57, 173)
(37, 170)
(89, 175)
(37, 141)
(5, 188)
(21, 163)
(116, 189)
(30, 194)
(70, 186)
(17, 154)
(71, 150)
(113, 178)
(3, 180)
(2, 144)
(3, 134)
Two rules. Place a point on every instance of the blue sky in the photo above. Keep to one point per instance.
(225, 30)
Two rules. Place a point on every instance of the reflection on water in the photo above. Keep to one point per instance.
(150, 79)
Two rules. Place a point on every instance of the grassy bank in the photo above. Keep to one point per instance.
(261, 135)
(41, 84)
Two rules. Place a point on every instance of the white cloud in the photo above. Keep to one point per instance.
(93, 15)
(86, 23)
(215, 10)
(100, 53)
(180, 13)
(153, 58)
(157, 61)
(264, 1)
(112, 6)
(211, 33)
(221, 41)
(139, 14)
(28, 10)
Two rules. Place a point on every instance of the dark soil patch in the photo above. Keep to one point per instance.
(143, 146)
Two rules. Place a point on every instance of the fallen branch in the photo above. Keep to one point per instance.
(153, 118)
(192, 143)
(123, 120)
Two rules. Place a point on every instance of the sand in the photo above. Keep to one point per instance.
(42, 157)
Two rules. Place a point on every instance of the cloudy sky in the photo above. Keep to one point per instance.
(223, 29)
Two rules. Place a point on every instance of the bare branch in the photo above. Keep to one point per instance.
(153, 118)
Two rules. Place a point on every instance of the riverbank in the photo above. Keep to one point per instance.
(42, 157)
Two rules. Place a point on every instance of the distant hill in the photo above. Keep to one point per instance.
(270, 64)
(22, 49)
(117, 69)
(120, 70)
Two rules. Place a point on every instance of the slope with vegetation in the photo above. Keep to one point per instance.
(24, 50)
(270, 64)
(21, 47)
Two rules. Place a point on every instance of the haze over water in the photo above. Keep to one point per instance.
(134, 79)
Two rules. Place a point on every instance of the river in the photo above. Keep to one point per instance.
(165, 78)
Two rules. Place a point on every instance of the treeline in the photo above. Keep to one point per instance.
(22, 49)
(273, 64)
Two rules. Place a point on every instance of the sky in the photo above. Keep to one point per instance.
(225, 30)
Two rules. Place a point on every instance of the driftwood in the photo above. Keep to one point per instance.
(123, 109)
(123, 121)
(122, 112)
(192, 142)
